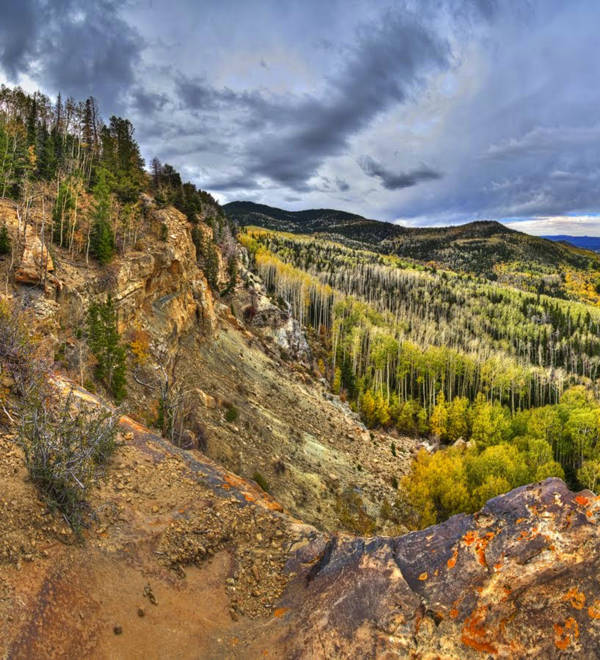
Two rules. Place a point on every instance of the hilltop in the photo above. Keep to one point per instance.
(339, 223)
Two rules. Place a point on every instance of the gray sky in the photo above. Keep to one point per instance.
(426, 112)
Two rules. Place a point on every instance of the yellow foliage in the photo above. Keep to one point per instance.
(140, 346)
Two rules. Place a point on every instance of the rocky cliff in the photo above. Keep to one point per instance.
(156, 286)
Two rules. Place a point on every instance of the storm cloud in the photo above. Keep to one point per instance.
(396, 181)
(78, 47)
(431, 112)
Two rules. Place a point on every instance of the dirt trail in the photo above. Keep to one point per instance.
(210, 548)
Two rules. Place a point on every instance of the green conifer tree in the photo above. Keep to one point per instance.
(5, 242)
(104, 340)
(103, 239)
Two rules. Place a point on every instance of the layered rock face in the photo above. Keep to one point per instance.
(165, 280)
(157, 286)
(36, 264)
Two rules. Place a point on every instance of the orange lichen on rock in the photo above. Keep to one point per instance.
(582, 500)
(451, 563)
(594, 610)
(470, 537)
(566, 633)
(423, 576)
(474, 634)
(480, 542)
(280, 611)
(576, 598)
(454, 613)
(480, 547)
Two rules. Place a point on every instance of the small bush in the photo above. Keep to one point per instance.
(249, 313)
(231, 414)
(65, 443)
(261, 481)
(279, 466)
(352, 513)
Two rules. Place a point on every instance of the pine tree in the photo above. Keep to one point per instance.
(46, 163)
(121, 156)
(5, 242)
(103, 239)
(105, 344)
(88, 125)
(32, 124)
(211, 267)
(156, 170)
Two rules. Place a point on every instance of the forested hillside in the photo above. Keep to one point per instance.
(437, 353)
(486, 249)
(79, 179)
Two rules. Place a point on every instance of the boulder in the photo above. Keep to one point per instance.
(518, 579)
(205, 399)
(36, 262)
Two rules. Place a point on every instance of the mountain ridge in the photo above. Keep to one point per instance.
(584, 242)
(483, 248)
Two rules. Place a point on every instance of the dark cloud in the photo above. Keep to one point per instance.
(18, 31)
(78, 47)
(146, 102)
(233, 182)
(499, 95)
(196, 94)
(396, 181)
(391, 56)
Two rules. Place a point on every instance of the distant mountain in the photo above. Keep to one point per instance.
(585, 242)
(477, 247)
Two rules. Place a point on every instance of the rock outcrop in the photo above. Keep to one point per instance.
(276, 323)
(156, 287)
(164, 282)
(518, 579)
(36, 264)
